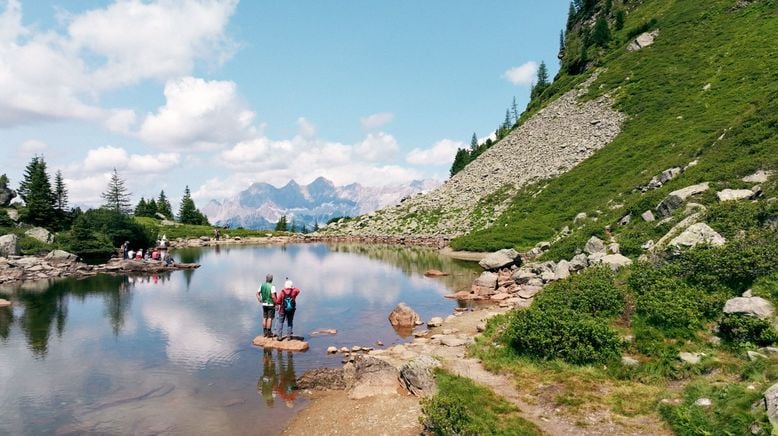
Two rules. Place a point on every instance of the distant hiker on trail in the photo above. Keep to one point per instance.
(266, 295)
(287, 300)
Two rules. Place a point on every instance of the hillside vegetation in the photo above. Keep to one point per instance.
(706, 90)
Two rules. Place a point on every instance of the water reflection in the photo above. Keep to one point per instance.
(278, 380)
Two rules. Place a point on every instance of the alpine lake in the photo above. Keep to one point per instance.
(145, 354)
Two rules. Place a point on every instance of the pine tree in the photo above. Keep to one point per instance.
(515, 111)
(293, 227)
(316, 225)
(542, 81)
(151, 208)
(473, 143)
(116, 197)
(142, 208)
(619, 20)
(35, 190)
(506, 124)
(571, 13)
(561, 41)
(163, 205)
(60, 192)
(281, 225)
(188, 212)
(460, 160)
(601, 35)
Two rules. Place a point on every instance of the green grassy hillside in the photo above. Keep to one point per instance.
(674, 118)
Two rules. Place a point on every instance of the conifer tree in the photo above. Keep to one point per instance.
(281, 225)
(515, 111)
(151, 208)
(542, 81)
(116, 196)
(506, 124)
(601, 35)
(35, 190)
(188, 213)
(316, 225)
(571, 12)
(141, 209)
(60, 192)
(460, 160)
(474, 143)
(163, 205)
(561, 41)
(619, 20)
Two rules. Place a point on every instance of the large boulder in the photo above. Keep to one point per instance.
(615, 261)
(500, 259)
(486, 283)
(760, 176)
(369, 377)
(6, 195)
(418, 378)
(676, 198)
(9, 245)
(562, 270)
(403, 316)
(771, 404)
(60, 256)
(40, 234)
(594, 245)
(695, 234)
(734, 194)
(643, 40)
(752, 306)
(322, 379)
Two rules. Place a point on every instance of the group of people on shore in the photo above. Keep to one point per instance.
(158, 253)
(283, 303)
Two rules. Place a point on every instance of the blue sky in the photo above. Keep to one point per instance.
(219, 94)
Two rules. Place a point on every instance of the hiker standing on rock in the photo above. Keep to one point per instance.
(287, 301)
(266, 295)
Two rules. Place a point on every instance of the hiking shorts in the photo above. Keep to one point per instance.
(268, 312)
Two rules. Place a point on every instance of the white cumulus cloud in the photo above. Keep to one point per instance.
(377, 147)
(441, 153)
(524, 74)
(198, 114)
(377, 120)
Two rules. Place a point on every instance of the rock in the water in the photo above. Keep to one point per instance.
(4, 302)
(286, 345)
(752, 306)
(435, 321)
(594, 245)
(734, 194)
(40, 234)
(404, 317)
(324, 332)
(486, 283)
(676, 198)
(9, 245)
(435, 273)
(699, 233)
(332, 350)
(322, 379)
(615, 261)
(760, 176)
(690, 358)
(643, 40)
(648, 216)
(418, 378)
(500, 259)
(771, 404)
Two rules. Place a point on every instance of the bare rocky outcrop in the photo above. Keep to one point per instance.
(643, 40)
(696, 234)
(9, 245)
(676, 198)
(771, 404)
(40, 234)
(550, 143)
(750, 306)
(418, 378)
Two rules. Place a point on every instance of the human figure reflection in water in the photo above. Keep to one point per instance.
(267, 382)
(278, 378)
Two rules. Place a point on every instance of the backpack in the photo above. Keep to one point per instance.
(288, 302)
(264, 291)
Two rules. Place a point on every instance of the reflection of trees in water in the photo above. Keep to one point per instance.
(278, 378)
(6, 319)
(49, 308)
(189, 255)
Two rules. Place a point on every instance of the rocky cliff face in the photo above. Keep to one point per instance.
(556, 139)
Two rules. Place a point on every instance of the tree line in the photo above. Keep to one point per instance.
(94, 232)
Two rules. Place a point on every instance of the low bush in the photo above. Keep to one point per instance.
(741, 329)
(461, 407)
(590, 292)
(562, 334)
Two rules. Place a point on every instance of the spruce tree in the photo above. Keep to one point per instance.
(515, 111)
(601, 35)
(141, 208)
(460, 160)
(116, 196)
(163, 205)
(542, 81)
(506, 124)
(619, 20)
(35, 190)
(60, 192)
(571, 12)
(473, 143)
(281, 225)
(188, 213)
(561, 41)
(151, 208)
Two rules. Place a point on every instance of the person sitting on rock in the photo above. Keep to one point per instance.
(266, 295)
(287, 301)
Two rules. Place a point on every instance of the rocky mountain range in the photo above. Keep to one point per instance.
(261, 205)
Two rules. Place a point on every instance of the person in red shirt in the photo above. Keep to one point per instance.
(287, 303)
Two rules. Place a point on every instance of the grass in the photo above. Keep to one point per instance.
(465, 408)
(672, 120)
(192, 231)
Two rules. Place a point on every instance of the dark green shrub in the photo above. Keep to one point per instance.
(32, 246)
(671, 305)
(591, 292)
(5, 220)
(739, 328)
(562, 334)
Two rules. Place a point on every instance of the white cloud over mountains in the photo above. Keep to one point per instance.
(50, 75)
(198, 114)
(442, 153)
(523, 75)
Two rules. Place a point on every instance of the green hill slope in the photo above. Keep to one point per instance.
(706, 90)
